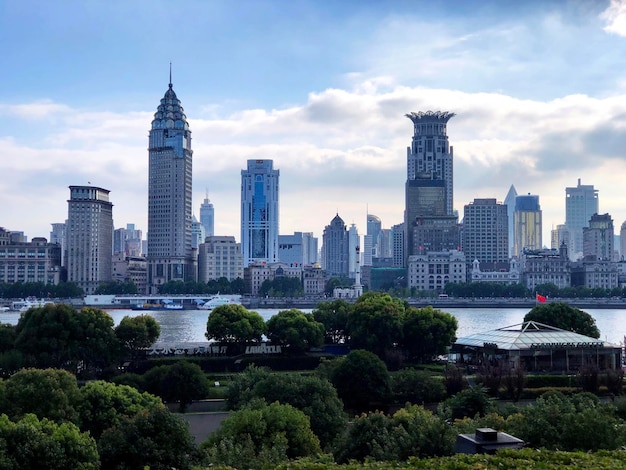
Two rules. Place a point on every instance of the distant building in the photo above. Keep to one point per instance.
(505, 277)
(527, 224)
(592, 273)
(433, 270)
(398, 245)
(598, 238)
(314, 280)
(170, 254)
(509, 202)
(354, 248)
(57, 235)
(219, 256)
(622, 241)
(35, 261)
(207, 216)
(546, 267)
(581, 202)
(297, 249)
(131, 269)
(255, 274)
(374, 231)
(335, 260)
(259, 212)
(197, 233)
(127, 241)
(89, 232)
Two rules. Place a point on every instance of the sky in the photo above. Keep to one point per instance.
(320, 87)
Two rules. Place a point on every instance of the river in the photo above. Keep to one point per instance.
(190, 325)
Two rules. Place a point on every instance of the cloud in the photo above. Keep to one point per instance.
(615, 18)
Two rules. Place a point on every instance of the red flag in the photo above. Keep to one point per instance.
(541, 298)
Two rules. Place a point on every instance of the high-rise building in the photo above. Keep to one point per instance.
(581, 202)
(622, 241)
(527, 223)
(259, 212)
(509, 202)
(486, 234)
(335, 248)
(598, 238)
(127, 241)
(374, 231)
(89, 233)
(207, 216)
(57, 235)
(197, 232)
(299, 249)
(220, 257)
(170, 253)
(398, 243)
(429, 185)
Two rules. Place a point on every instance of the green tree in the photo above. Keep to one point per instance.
(60, 336)
(136, 333)
(153, 438)
(467, 403)
(565, 317)
(104, 404)
(234, 324)
(314, 396)
(282, 287)
(297, 330)
(41, 443)
(334, 316)
(417, 387)
(362, 380)
(49, 393)
(182, 383)
(261, 435)
(337, 282)
(375, 323)
(117, 288)
(427, 332)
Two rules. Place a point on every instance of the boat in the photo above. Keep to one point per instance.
(218, 301)
(25, 304)
(165, 304)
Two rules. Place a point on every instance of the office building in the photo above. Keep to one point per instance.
(598, 238)
(374, 232)
(127, 241)
(207, 216)
(486, 234)
(299, 249)
(57, 235)
(335, 248)
(581, 202)
(433, 270)
(398, 234)
(527, 224)
(130, 269)
(220, 256)
(197, 233)
(89, 232)
(170, 254)
(259, 212)
(509, 202)
(34, 261)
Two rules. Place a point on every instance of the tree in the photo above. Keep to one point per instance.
(362, 380)
(49, 393)
(427, 332)
(136, 333)
(417, 387)
(375, 323)
(261, 435)
(181, 383)
(117, 288)
(41, 443)
(297, 330)
(467, 403)
(234, 324)
(334, 316)
(565, 317)
(282, 287)
(104, 404)
(60, 336)
(314, 396)
(153, 438)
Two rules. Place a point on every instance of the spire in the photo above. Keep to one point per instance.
(170, 75)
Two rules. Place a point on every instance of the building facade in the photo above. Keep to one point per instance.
(527, 224)
(297, 249)
(207, 216)
(259, 212)
(220, 256)
(255, 274)
(130, 269)
(433, 270)
(598, 238)
(581, 202)
(89, 233)
(35, 261)
(509, 202)
(170, 254)
(335, 248)
(546, 267)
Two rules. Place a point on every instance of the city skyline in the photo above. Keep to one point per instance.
(537, 88)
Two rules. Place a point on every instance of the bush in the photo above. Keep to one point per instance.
(467, 403)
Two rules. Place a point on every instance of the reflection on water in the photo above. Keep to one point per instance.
(190, 325)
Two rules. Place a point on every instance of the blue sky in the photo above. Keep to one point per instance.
(321, 87)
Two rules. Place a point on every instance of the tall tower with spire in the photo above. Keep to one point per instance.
(170, 253)
(207, 216)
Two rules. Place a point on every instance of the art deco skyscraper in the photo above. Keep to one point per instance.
(207, 216)
(89, 232)
(170, 254)
(259, 212)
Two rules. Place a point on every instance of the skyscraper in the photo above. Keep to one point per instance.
(486, 233)
(429, 185)
(170, 254)
(336, 248)
(374, 229)
(598, 238)
(259, 212)
(89, 232)
(527, 223)
(581, 202)
(207, 216)
(509, 202)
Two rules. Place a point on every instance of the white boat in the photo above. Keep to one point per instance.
(217, 301)
(23, 305)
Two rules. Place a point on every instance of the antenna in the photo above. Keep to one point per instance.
(170, 74)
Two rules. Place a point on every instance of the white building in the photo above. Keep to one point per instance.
(259, 212)
(512, 276)
(220, 256)
(434, 269)
(581, 202)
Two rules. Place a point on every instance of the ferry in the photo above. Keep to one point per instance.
(23, 305)
(217, 301)
(165, 304)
